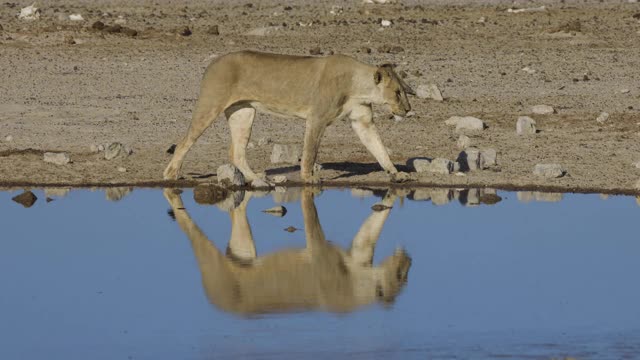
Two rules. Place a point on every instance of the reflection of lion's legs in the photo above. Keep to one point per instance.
(312, 136)
(240, 122)
(313, 230)
(364, 127)
(364, 243)
(241, 244)
(203, 117)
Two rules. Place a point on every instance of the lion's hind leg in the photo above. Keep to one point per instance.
(240, 119)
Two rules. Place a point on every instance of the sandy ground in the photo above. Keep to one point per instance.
(140, 91)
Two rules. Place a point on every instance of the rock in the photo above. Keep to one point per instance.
(122, 169)
(542, 110)
(419, 164)
(315, 51)
(112, 29)
(490, 199)
(278, 210)
(380, 207)
(129, 32)
(264, 141)
(463, 142)
(213, 30)
(229, 175)
(76, 17)
(549, 170)
(101, 147)
(603, 117)
(120, 20)
(290, 229)
(69, 40)
(56, 158)
(9, 138)
(29, 13)
(279, 179)
(281, 153)
(429, 91)
(525, 126)
(532, 9)
(400, 177)
(93, 148)
(385, 23)
(185, 31)
(470, 160)
(625, 91)
(171, 149)
(26, 199)
(489, 157)
(637, 164)
(463, 123)
(115, 150)
(208, 194)
(441, 166)
(259, 183)
(98, 25)
(263, 31)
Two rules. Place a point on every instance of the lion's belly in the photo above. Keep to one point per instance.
(288, 110)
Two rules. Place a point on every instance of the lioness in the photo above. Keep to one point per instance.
(317, 89)
(321, 276)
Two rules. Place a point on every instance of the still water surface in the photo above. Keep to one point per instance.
(158, 276)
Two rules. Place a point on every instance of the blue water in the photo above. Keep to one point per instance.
(83, 277)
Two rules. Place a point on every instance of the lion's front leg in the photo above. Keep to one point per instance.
(312, 136)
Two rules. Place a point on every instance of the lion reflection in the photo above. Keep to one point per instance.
(322, 276)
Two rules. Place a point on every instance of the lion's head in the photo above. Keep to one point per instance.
(393, 90)
(395, 271)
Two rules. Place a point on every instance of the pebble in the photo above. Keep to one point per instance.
(542, 110)
(8, 138)
(98, 25)
(429, 91)
(603, 117)
(463, 142)
(525, 126)
(26, 199)
(625, 91)
(229, 175)
(278, 211)
(264, 141)
(171, 149)
(185, 31)
(213, 30)
(100, 147)
(549, 170)
(76, 17)
(419, 164)
(380, 207)
(385, 23)
(281, 153)
(93, 148)
(466, 123)
(637, 164)
(56, 158)
(528, 70)
(115, 150)
(279, 179)
(122, 169)
(315, 51)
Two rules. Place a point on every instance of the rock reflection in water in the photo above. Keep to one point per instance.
(117, 193)
(321, 276)
(528, 196)
(466, 197)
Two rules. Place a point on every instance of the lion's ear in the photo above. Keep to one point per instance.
(377, 76)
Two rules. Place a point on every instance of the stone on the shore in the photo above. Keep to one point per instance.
(264, 141)
(466, 123)
(8, 138)
(229, 175)
(29, 13)
(525, 126)
(122, 169)
(116, 149)
(470, 160)
(279, 179)
(56, 158)
(542, 110)
(603, 117)
(441, 166)
(489, 157)
(419, 164)
(278, 211)
(26, 199)
(281, 153)
(209, 194)
(259, 183)
(463, 142)
(549, 170)
(429, 91)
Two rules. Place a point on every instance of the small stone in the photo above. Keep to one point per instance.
(285, 154)
(171, 149)
(98, 25)
(419, 164)
(130, 32)
(29, 13)
(490, 199)
(380, 207)
(279, 179)
(8, 138)
(93, 148)
(637, 164)
(278, 211)
(549, 170)
(213, 30)
(100, 147)
(69, 40)
(463, 142)
(470, 160)
(26, 199)
(542, 110)
(489, 157)
(429, 91)
(76, 17)
(603, 117)
(315, 51)
(528, 70)
(290, 229)
(185, 31)
(525, 126)
(114, 150)
(264, 141)
(625, 91)
(56, 158)
(441, 166)
(385, 23)
(463, 123)
(229, 175)
(122, 169)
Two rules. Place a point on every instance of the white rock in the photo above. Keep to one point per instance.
(525, 126)
(419, 164)
(385, 23)
(76, 17)
(532, 9)
(29, 13)
(470, 160)
(542, 110)
(603, 117)
(549, 170)
(398, 118)
(470, 123)
(264, 141)
(625, 91)
(429, 91)
(120, 20)
(229, 175)
(637, 164)
(285, 154)
(122, 169)
(463, 142)
(377, 1)
(262, 31)
(489, 157)
(259, 183)
(100, 147)
(482, 20)
(56, 158)
(278, 211)
(528, 70)
(453, 121)
(279, 179)
(9, 138)
(441, 166)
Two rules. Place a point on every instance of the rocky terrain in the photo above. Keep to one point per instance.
(115, 88)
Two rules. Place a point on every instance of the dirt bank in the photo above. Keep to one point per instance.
(140, 90)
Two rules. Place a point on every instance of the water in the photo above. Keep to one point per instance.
(537, 276)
